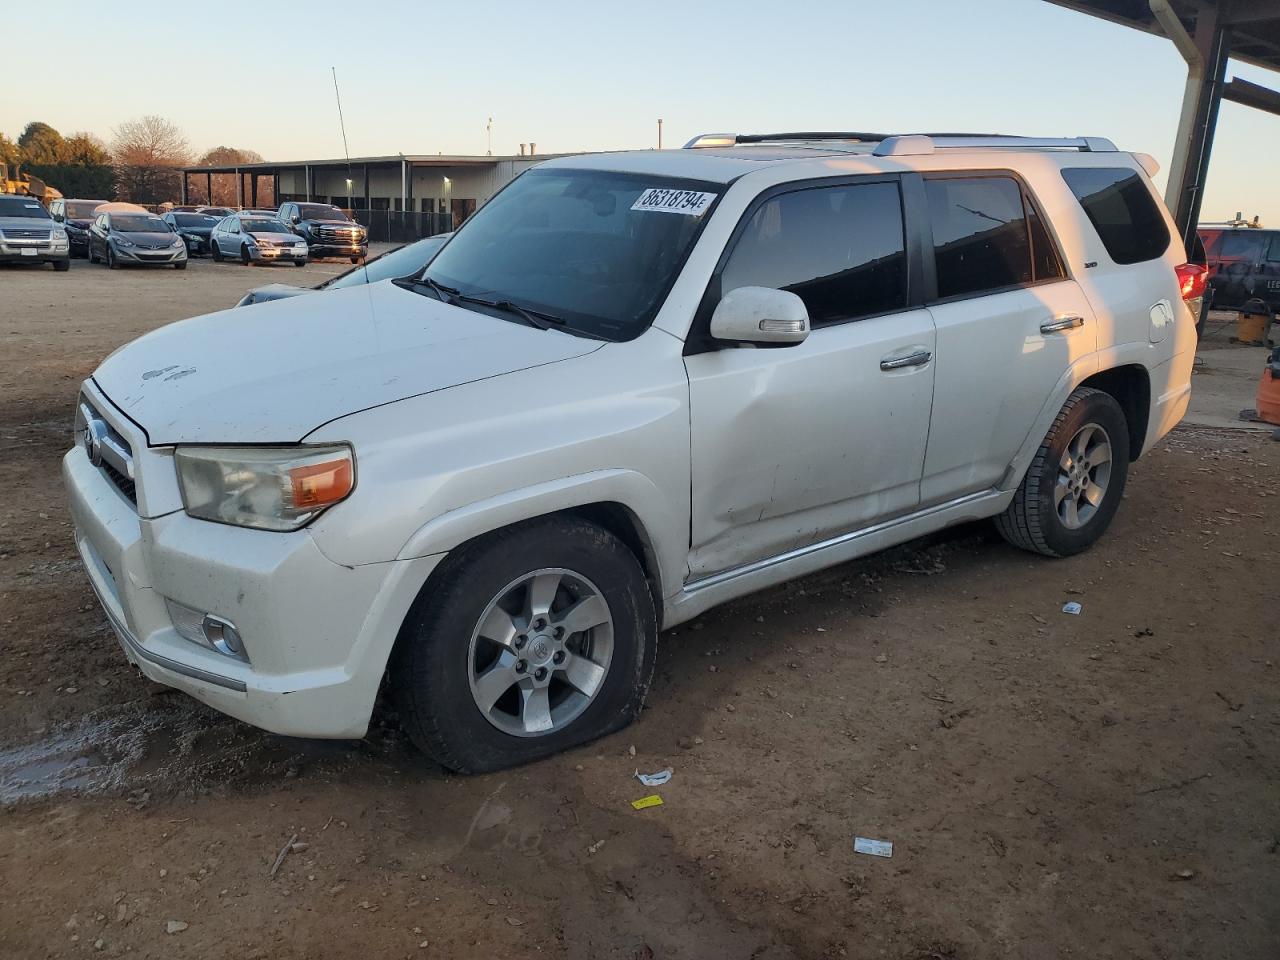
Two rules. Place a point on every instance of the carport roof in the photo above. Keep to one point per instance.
(421, 160)
(1254, 24)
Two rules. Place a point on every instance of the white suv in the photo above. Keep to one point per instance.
(633, 386)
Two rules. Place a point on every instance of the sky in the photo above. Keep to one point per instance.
(425, 77)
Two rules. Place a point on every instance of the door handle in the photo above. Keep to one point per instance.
(1062, 323)
(911, 360)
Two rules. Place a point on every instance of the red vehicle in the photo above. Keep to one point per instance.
(1244, 266)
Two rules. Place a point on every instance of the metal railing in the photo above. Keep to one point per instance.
(395, 226)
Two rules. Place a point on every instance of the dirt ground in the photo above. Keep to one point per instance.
(1104, 785)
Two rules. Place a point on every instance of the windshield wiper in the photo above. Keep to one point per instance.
(444, 294)
(534, 318)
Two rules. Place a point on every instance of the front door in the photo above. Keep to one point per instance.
(793, 445)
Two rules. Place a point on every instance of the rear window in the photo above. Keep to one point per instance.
(1122, 210)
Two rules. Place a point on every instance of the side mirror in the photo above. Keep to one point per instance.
(760, 315)
(59, 217)
(294, 219)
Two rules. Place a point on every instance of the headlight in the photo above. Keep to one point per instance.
(59, 233)
(178, 242)
(121, 241)
(267, 488)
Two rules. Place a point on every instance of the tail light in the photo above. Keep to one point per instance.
(1192, 278)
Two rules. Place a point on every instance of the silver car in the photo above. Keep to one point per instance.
(250, 239)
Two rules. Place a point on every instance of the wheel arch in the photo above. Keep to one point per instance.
(1130, 386)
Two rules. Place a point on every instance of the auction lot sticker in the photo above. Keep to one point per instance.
(691, 203)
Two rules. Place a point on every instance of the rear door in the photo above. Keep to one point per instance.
(1009, 323)
(792, 445)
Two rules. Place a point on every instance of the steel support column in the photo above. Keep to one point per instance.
(184, 187)
(208, 189)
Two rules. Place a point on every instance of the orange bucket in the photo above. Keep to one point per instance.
(1251, 325)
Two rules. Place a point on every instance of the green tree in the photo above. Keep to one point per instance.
(10, 155)
(85, 149)
(41, 143)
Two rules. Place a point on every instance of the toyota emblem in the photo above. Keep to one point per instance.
(95, 434)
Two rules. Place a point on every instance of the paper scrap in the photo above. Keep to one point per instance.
(650, 801)
(1072, 608)
(654, 779)
(874, 848)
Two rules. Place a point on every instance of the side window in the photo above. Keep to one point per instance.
(840, 249)
(1243, 244)
(1045, 262)
(980, 236)
(1122, 210)
(1273, 255)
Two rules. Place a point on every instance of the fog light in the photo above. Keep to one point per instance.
(207, 629)
(223, 636)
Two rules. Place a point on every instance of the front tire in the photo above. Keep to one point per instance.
(89, 254)
(215, 252)
(244, 254)
(180, 265)
(524, 643)
(1075, 482)
(62, 265)
(112, 263)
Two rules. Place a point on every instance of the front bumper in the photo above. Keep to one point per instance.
(317, 634)
(33, 251)
(152, 257)
(196, 245)
(326, 249)
(287, 254)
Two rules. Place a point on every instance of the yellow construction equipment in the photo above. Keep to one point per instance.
(26, 185)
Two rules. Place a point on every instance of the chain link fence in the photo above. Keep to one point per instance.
(395, 226)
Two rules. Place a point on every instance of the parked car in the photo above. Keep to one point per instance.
(29, 235)
(1244, 266)
(216, 211)
(256, 239)
(270, 214)
(75, 217)
(142, 239)
(194, 228)
(328, 231)
(400, 262)
(631, 387)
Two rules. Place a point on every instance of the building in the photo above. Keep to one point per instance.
(400, 197)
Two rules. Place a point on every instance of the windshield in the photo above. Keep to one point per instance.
(22, 207)
(263, 226)
(400, 262)
(138, 224)
(319, 211)
(83, 209)
(194, 220)
(595, 248)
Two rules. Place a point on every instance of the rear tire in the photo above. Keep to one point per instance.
(1076, 479)
(446, 646)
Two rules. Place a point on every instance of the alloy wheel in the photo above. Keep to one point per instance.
(541, 652)
(1083, 475)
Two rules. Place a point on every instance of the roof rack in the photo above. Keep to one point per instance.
(732, 139)
(913, 144)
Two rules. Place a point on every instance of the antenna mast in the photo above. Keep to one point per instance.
(343, 126)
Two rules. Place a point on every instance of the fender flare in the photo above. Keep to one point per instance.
(658, 525)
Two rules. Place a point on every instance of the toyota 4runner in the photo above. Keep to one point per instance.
(633, 386)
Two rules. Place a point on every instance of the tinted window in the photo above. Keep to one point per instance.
(318, 211)
(1045, 262)
(1274, 254)
(1243, 245)
(980, 238)
(840, 249)
(138, 223)
(1122, 210)
(22, 207)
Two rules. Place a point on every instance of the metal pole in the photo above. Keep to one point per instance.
(659, 133)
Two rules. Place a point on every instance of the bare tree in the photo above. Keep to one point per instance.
(147, 153)
(224, 184)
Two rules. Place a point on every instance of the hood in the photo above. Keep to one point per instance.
(274, 373)
(153, 241)
(196, 231)
(26, 223)
(80, 223)
(275, 237)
